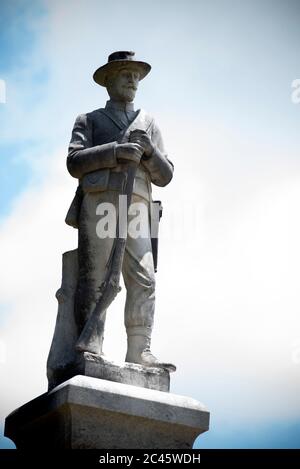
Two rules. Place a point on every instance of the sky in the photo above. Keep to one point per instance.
(227, 311)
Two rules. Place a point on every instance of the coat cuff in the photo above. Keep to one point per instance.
(159, 168)
(90, 159)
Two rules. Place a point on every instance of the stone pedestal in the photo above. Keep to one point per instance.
(96, 366)
(127, 373)
(91, 413)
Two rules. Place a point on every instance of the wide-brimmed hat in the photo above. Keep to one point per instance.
(118, 60)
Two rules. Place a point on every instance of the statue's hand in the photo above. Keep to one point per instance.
(142, 138)
(129, 152)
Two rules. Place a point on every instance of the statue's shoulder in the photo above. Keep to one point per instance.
(147, 118)
(146, 114)
(95, 115)
(91, 115)
(81, 119)
(152, 126)
(85, 119)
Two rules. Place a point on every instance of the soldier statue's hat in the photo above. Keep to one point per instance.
(118, 60)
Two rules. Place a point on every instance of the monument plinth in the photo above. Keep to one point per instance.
(96, 366)
(91, 413)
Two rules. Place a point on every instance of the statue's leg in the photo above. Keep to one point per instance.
(139, 278)
(93, 254)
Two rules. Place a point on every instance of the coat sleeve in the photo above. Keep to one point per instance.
(158, 164)
(83, 157)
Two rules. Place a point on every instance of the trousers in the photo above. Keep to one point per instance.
(93, 255)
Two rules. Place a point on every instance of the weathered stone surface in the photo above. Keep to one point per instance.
(115, 153)
(97, 366)
(91, 413)
(126, 373)
(62, 353)
(64, 361)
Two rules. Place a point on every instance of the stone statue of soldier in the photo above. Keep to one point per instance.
(99, 150)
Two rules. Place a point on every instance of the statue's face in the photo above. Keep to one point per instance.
(122, 84)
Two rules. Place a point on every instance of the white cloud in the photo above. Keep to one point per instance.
(32, 239)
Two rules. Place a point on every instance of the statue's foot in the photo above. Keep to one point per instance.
(146, 358)
(93, 354)
(94, 346)
(94, 350)
(138, 349)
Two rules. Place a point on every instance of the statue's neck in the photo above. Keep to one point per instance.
(120, 105)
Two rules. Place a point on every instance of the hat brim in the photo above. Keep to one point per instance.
(102, 72)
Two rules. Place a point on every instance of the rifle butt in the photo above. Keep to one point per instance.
(89, 338)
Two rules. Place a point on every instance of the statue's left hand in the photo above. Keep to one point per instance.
(142, 138)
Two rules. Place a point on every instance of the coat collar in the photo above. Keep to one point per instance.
(119, 105)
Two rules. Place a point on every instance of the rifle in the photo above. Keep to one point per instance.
(110, 287)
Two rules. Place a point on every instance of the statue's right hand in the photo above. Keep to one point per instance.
(129, 152)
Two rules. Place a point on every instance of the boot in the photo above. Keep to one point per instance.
(94, 349)
(138, 349)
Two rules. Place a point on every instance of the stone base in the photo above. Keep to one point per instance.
(91, 413)
(126, 373)
(96, 366)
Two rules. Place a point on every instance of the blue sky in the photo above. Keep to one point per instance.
(220, 87)
(17, 39)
